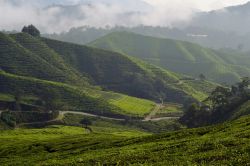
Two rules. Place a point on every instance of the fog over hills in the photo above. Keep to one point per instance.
(218, 29)
(57, 16)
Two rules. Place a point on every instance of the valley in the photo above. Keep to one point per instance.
(124, 83)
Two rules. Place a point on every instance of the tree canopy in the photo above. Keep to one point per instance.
(32, 30)
(218, 106)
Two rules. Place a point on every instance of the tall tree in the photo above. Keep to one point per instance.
(243, 85)
(219, 97)
(32, 30)
(86, 122)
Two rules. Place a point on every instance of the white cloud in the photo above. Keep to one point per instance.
(204, 5)
(16, 13)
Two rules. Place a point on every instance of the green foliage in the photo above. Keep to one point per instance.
(196, 116)
(219, 97)
(178, 56)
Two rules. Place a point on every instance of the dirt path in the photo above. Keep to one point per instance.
(152, 113)
(180, 83)
(163, 118)
(62, 113)
(61, 116)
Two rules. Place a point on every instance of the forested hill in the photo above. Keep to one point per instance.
(178, 56)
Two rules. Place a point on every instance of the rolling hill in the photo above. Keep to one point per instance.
(83, 78)
(178, 56)
(121, 73)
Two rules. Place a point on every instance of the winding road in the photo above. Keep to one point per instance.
(147, 118)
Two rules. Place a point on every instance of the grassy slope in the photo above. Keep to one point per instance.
(224, 144)
(125, 74)
(182, 57)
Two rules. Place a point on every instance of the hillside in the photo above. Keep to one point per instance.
(178, 56)
(29, 68)
(25, 55)
(222, 144)
(51, 60)
(121, 73)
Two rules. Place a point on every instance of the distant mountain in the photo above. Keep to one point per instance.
(178, 56)
(230, 19)
(207, 37)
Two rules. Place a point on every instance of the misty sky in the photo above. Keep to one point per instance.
(50, 18)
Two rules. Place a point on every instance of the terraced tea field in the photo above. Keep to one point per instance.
(223, 144)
